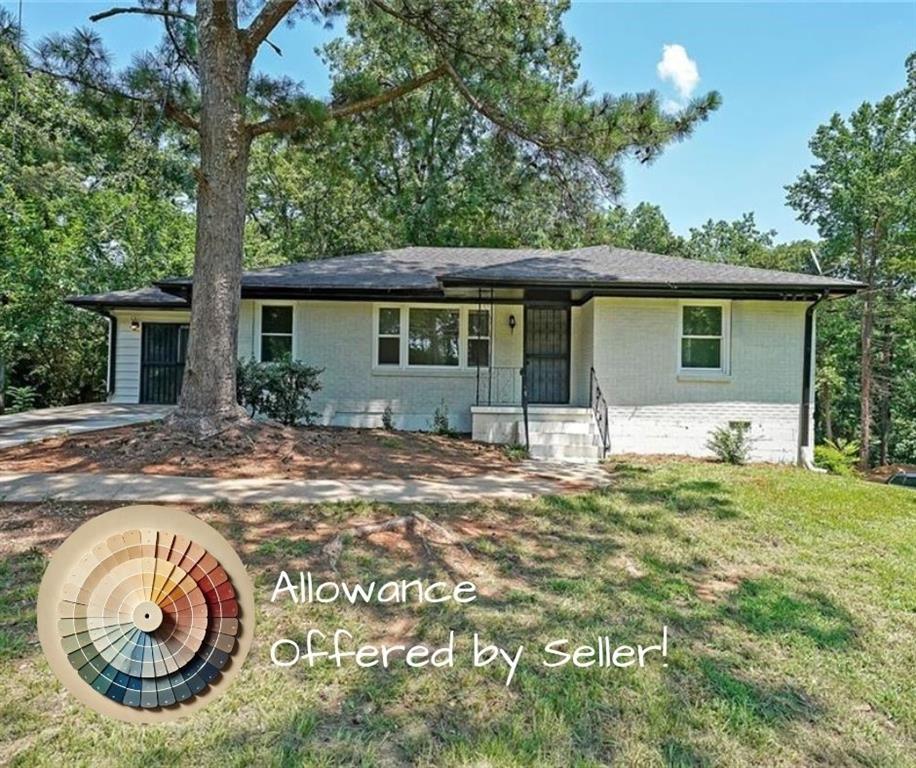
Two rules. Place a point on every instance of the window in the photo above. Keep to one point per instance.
(389, 336)
(432, 337)
(478, 337)
(703, 337)
(276, 333)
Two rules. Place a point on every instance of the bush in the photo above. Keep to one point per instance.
(388, 418)
(440, 421)
(838, 457)
(280, 390)
(21, 398)
(515, 452)
(732, 444)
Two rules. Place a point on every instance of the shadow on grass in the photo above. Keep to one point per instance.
(767, 607)
(20, 574)
(748, 704)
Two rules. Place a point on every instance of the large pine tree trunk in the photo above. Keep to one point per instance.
(865, 382)
(208, 397)
(827, 405)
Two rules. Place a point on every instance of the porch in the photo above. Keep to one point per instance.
(549, 401)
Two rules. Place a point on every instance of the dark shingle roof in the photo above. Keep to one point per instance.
(428, 268)
(424, 270)
(150, 296)
(608, 266)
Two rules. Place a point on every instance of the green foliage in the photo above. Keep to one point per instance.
(732, 443)
(515, 452)
(278, 390)
(643, 228)
(21, 399)
(861, 195)
(86, 204)
(738, 242)
(837, 456)
(440, 423)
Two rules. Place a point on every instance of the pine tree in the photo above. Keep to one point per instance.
(201, 78)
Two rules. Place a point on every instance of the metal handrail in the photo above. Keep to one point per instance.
(498, 385)
(598, 404)
(523, 373)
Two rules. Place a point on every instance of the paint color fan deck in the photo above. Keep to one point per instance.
(148, 618)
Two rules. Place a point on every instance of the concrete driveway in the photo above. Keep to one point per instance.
(27, 427)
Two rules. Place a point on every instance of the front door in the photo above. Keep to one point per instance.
(162, 353)
(547, 354)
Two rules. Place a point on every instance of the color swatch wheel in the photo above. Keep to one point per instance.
(145, 612)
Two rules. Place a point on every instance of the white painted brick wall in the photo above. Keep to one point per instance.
(632, 343)
(653, 411)
(683, 428)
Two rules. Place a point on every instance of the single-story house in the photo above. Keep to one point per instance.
(598, 349)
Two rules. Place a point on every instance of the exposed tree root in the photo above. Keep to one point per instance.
(416, 522)
(204, 425)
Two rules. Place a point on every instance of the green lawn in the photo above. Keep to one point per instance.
(790, 598)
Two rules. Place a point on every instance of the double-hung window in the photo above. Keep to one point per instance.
(478, 338)
(389, 336)
(445, 337)
(704, 337)
(276, 333)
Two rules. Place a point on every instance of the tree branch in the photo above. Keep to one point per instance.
(293, 122)
(264, 23)
(142, 11)
(171, 110)
(493, 114)
(180, 116)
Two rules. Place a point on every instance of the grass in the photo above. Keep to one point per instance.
(790, 599)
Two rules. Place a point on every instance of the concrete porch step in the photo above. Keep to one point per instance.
(558, 438)
(557, 427)
(583, 453)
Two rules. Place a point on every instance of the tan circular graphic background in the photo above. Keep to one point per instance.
(145, 613)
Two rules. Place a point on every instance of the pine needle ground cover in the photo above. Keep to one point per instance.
(788, 596)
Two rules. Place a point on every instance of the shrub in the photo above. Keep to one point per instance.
(837, 456)
(388, 418)
(732, 444)
(515, 452)
(440, 420)
(279, 390)
(21, 398)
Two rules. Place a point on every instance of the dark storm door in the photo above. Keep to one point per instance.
(547, 354)
(162, 353)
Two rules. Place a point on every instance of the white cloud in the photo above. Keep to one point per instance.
(679, 69)
(671, 107)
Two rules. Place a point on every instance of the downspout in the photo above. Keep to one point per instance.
(112, 353)
(805, 446)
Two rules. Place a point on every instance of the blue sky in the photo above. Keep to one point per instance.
(782, 69)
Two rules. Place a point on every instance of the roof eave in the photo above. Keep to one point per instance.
(696, 290)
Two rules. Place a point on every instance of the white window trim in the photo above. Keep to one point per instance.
(724, 370)
(404, 366)
(258, 312)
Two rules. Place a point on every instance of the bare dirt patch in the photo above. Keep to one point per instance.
(261, 450)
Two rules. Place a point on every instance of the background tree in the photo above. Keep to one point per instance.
(642, 228)
(861, 194)
(502, 59)
(87, 204)
(736, 242)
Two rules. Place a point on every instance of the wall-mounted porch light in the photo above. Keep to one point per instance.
(511, 322)
(134, 324)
